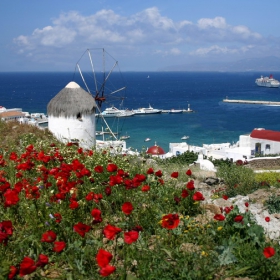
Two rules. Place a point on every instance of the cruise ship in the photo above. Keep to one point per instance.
(267, 82)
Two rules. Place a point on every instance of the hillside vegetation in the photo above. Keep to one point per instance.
(69, 213)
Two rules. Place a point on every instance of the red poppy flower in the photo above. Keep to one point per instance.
(58, 217)
(89, 196)
(13, 156)
(108, 190)
(131, 236)
(11, 197)
(247, 204)
(42, 260)
(81, 229)
(159, 173)
(184, 193)
(115, 180)
(225, 197)
(127, 208)
(161, 181)
(98, 169)
(103, 257)
(59, 246)
(219, 217)
(27, 266)
(190, 185)
(177, 199)
(198, 196)
(96, 214)
(111, 231)
(145, 188)
(268, 252)
(137, 228)
(49, 236)
(267, 219)
(150, 171)
(107, 270)
(238, 219)
(175, 174)
(170, 221)
(189, 172)
(227, 210)
(73, 205)
(6, 228)
(140, 177)
(85, 172)
(111, 167)
(13, 272)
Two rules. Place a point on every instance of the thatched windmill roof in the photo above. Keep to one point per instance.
(71, 101)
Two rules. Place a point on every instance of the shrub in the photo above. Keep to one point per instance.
(238, 179)
(271, 178)
(273, 204)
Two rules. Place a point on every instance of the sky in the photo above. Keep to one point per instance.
(51, 35)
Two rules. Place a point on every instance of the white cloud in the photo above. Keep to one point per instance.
(146, 32)
(173, 52)
(216, 50)
(217, 22)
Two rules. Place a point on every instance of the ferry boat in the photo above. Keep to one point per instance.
(267, 82)
(113, 112)
(149, 110)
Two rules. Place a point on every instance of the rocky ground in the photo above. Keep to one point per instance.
(256, 203)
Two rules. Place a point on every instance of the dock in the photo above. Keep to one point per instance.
(260, 102)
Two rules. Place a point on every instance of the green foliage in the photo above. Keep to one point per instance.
(197, 248)
(271, 178)
(238, 179)
(187, 157)
(221, 162)
(266, 155)
(273, 204)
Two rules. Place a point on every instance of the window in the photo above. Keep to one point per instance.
(79, 117)
(267, 147)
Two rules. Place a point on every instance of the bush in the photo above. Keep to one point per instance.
(273, 204)
(271, 178)
(238, 179)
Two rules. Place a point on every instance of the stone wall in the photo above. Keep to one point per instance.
(266, 163)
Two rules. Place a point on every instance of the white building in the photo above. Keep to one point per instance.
(71, 116)
(14, 114)
(259, 141)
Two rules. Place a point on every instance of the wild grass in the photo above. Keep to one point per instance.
(65, 213)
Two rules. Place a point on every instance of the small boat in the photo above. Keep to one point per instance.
(147, 140)
(165, 111)
(124, 137)
(185, 137)
(267, 82)
(189, 110)
(173, 111)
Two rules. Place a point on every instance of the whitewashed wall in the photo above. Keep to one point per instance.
(66, 129)
(274, 146)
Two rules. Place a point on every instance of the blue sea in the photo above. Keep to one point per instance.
(212, 122)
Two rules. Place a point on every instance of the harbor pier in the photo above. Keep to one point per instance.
(259, 102)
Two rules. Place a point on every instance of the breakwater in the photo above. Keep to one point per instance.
(259, 102)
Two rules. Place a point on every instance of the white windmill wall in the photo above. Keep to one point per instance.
(68, 129)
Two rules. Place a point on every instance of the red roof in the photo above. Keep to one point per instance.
(11, 114)
(155, 150)
(266, 134)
